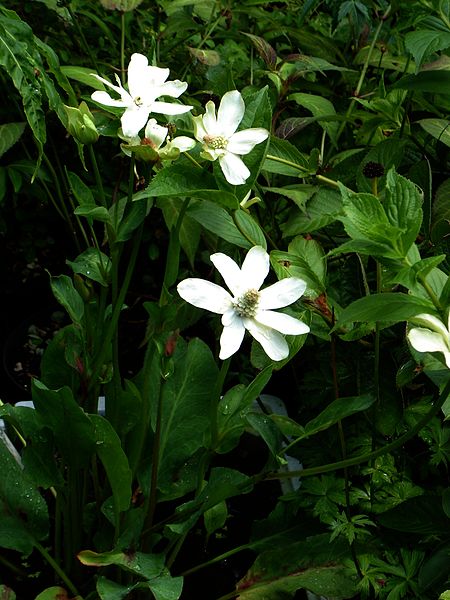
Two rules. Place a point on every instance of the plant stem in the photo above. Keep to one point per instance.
(122, 48)
(56, 568)
(215, 401)
(84, 43)
(357, 460)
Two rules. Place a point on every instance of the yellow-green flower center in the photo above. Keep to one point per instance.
(138, 101)
(216, 142)
(247, 304)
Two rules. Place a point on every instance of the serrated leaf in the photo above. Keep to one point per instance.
(422, 43)
(10, 133)
(284, 158)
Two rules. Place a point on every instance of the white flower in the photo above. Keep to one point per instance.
(435, 338)
(145, 85)
(155, 135)
(220, 139)
(248, 307)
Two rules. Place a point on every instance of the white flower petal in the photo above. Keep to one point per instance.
(255, 268)
(105, 99)
(134, 119)
(230, 113)
(209, 119)
(157, 75)
(282, 293)
(232, 336)
(281, 322)
(166, 108)
(244, 141)
(229, 270)
(204, 294)
(273, 343)
(172, 88)
(137, 75)
(156, 133)
(199, 128)
(431, 322)
(234, 169)
(424, 340)
(117, 88)
(183, 143)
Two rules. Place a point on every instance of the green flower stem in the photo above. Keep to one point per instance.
(363, 74)
(98, 179)
(61, 574)
(357, 460)
(122, 48)
(218, 387)
(327, 181)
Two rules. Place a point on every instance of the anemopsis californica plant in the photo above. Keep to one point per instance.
(248, 307)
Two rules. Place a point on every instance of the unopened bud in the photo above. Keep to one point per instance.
(81, 124)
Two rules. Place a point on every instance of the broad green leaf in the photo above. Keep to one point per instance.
(73, 430)
(422, 514)
(390, 307)
(85, 198)
(185, 181)
(148, 566)
(322, 108)
(55, 593)
(249, 228)
(110, 590)
(284, 158)
(9, 134)
(438, 128)
(166, 587)
(131, 220)
(66, 294)
(185, 402)
(93, 264)
(337, 410)
(266, 428)
(388, 153)
(422, 43)
(307, 564)
(24, 511)
(217, 220)
(7, 593)
(321, 209)
(114, 460)
(299, 193)
(190, 229)
(83, 75)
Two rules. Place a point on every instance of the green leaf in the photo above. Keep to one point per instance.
(320, 107)
(249, 228)
(284, 158)
(338, 409)
(190, 229)
(73, 430)
(148, 566)
(93, 264)
(438, 128)
(55, 593)
(266, 428)
(10, 133)
(422, 43)
(24, 511)
(7, 593)
(83, 75)
(388, 153)
(186, 181)
(110, 590)
(110, 452)
(422, 514)
(66, 294)
(216, 219)
(390, 307)
(185, 401)
(264, 49)
(321, 209)
(434, 82)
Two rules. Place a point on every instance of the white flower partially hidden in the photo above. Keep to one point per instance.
(154, 136)
(221, 140)
(434, 338)
(145, 85)
(248, 307)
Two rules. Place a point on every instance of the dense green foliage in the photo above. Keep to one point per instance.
(324, 474)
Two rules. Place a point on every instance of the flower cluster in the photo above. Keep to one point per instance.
(248, 307)
(219, 136)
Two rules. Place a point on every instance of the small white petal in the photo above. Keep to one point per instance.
(431, 322)
(282, 293)
(229, 270)
(157, 75)
(117, 88)
(199, 128)
(137, 75)
(172, 88)
(281, 322)
(424, 340)
(134, 119)
(209, 119)
(105, 99)
(204, 294)
(255, 268)
(232, 336)
(244, 141)
(273, 343)
(230, 113)
(234, 169)
(166, 108)
(156, 133)
(183, 143)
